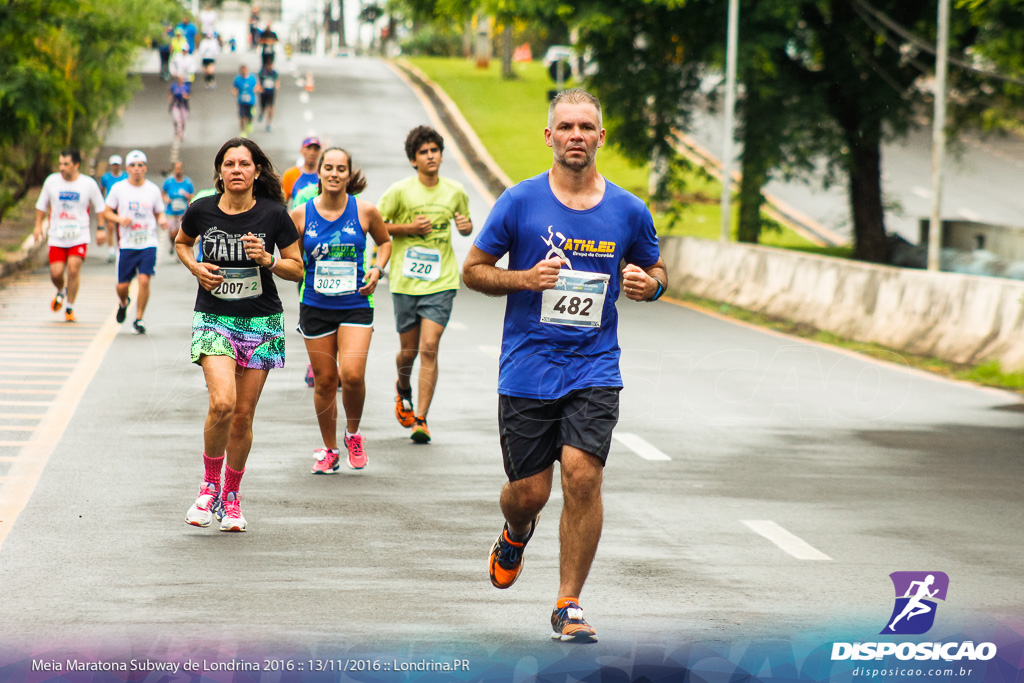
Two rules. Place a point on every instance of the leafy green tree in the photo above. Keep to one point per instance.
(64, 71)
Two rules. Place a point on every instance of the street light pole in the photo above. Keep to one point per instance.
(730, 114)
(938, 137)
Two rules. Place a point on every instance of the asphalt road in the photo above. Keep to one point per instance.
(870, 467)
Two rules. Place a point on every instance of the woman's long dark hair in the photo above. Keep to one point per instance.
(267, 184)
(356, 180)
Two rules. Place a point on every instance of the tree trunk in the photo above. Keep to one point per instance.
(756, 161)
(341, 24)
(467, 38)
(753, 177)
(507, 48)
(865, 173)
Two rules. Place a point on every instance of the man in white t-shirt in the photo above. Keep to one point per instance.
(66, 198)
(136, 207)
(208, 21)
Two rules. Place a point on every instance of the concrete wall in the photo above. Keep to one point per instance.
(960, 318)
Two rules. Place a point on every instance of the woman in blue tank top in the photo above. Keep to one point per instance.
(336, 301)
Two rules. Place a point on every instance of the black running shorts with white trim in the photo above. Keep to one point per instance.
(533, 431)
(315, 322)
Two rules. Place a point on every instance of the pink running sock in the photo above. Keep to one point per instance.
(213, 468)
(232, 480)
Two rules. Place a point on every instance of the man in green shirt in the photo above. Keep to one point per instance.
(424, 275)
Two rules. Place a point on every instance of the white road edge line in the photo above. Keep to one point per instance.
(24, 473)
(639, 445)
(794, 545)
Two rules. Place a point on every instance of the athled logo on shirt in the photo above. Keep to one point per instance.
(914, 613)
(560, 245)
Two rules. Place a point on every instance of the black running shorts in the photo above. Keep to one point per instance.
(533, 431)
(317, 322)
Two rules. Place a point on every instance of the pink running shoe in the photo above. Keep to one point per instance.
(356, 454)
(327, 461)
(309, 376)
(207, 505)
(233, 519)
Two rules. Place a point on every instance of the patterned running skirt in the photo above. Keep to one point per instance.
(253, 342)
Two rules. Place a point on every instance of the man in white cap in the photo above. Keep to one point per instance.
(65, 199)
(115, 173)
(136, 208)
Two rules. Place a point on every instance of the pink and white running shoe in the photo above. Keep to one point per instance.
(207, 505)
(327, 461)
(233, 519)
(356, 453)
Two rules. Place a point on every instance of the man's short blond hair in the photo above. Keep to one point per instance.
(574, 96)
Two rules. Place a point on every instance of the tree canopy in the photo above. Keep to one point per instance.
(64, 71)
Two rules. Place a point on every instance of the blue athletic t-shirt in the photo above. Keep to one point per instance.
(246, 89)
(178, 193)
(337, 248)
(576, 344)
(302, 181)
(108, 180)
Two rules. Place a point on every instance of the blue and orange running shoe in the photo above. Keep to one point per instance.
(506, 563)
(568, 624)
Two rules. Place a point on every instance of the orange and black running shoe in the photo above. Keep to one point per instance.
(403, 407)
(506, 563)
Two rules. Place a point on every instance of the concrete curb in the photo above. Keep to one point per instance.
(29, 256)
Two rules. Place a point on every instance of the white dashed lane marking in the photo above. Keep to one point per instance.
(640, 446)
(790, 543)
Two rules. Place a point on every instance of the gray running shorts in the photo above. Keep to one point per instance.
(410, 308)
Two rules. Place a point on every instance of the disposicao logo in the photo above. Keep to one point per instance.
(916, 593)
(914, 614)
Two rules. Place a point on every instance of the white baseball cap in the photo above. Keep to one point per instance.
(115, 159)
(136, 156)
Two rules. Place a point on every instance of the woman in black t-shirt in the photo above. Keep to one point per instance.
(237, 328)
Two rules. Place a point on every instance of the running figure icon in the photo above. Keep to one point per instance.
(556, 251)
(915, 606)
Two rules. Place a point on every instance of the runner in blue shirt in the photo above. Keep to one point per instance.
(336, 301)
(245, 87)
(565, 233)
(178, 192)
(115, 174)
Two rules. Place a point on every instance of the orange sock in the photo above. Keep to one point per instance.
(562, 602)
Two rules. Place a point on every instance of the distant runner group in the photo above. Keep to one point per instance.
(574, 242)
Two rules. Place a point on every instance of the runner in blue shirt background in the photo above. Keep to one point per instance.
(565, 232)
(115, 174)
(246, 87)
(178, 192)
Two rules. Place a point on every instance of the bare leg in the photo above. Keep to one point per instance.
(354, 346)
(220, 382)
(74, 278)
(248, 387)
(430, 340)
(57, 274)
(582, 518)
(325, 387)
(409, 343)
(522, 500)
(140, 306)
